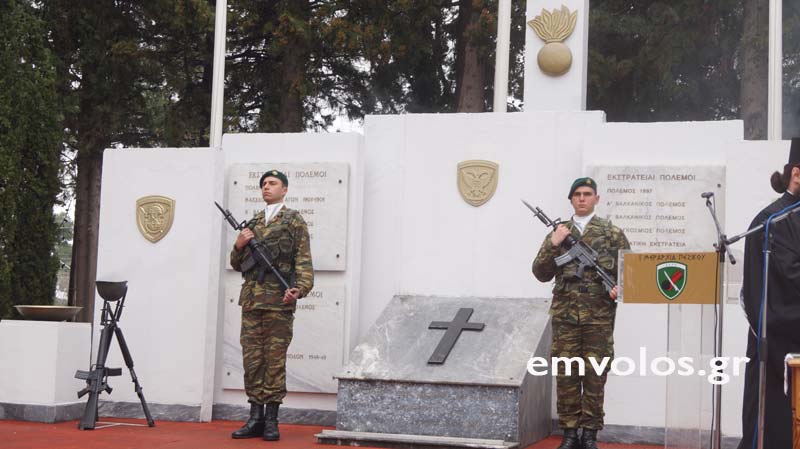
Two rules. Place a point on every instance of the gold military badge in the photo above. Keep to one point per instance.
(477, 181)
(154, 216)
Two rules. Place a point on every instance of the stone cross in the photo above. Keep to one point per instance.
(454, 328)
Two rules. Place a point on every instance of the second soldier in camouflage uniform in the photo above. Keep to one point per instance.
(582, 314)
(268, 311)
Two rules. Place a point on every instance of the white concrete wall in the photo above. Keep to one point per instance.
(642, 399)
(170, 315)
(409, 232)
(420, 237)
(299, 148)
(748, 167)
(39, 361)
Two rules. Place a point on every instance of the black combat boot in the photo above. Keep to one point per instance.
(570, 440)
(589, 438)
(254, 426)
(271, 427)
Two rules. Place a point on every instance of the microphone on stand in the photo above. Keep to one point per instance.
(707, 196)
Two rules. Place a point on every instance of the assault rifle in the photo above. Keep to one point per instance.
(258, 258)
(97, 378)
(576, 250)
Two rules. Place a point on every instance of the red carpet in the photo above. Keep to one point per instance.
(175, 435)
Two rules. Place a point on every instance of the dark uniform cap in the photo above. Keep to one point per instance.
(274, 174)
(580, 182)
(794, 152)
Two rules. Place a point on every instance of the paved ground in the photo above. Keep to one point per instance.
(175, 435)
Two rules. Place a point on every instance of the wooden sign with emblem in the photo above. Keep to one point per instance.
(669, 278)
(154, 215)
(477, 181)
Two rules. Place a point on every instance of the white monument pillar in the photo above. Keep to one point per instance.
(775, 83)
(218, 81)
(556, 55)
(501, 56)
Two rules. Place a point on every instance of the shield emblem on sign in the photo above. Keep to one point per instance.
(154, 216)
(477, 181)
(671, 279)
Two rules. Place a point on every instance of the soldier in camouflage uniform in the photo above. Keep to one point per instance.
(268, 310)
(582, 314)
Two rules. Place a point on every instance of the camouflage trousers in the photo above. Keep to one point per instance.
(265, 338)
(579, 399)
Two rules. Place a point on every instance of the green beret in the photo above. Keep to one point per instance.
(274, 174)
(580, 182)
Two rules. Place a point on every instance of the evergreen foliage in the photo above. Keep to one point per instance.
(79, 77)
(652, 60)
(29, 159)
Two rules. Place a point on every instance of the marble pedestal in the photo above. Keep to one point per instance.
(38, 360)
(481, 392)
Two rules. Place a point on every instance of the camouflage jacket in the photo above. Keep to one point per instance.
(582, 300)
(286, 241)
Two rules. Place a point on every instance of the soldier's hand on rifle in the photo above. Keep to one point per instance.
(559, 235)
(243, 238)
(614, 292)
(291, 295)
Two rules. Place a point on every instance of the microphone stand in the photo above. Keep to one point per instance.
(722, 249)
(722, 246)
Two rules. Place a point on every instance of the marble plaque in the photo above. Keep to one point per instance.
(317, 349)
(660, 208)
(317, 190)
(397, 347)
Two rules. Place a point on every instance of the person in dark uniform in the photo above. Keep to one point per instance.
(783, 312)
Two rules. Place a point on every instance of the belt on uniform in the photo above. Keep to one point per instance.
(581, 288)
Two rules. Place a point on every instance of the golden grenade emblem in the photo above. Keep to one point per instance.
(555, 58)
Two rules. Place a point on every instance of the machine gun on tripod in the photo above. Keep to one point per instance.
(97, 378)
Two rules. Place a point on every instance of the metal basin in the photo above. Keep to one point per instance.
(48, 313)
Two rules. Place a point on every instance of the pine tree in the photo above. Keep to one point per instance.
(29, 159)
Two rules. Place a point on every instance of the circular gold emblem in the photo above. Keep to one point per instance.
(554, 58)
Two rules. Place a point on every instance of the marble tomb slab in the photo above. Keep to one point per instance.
(481, 391)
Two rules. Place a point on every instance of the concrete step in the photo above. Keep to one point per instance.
(404, 441)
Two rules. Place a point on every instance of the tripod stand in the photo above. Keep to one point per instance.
(97, 378)
(722, 250)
